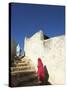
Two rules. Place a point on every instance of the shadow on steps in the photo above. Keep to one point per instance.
(29, 79)
(35, 81)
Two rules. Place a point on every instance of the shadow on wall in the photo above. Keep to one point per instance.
(46, 82)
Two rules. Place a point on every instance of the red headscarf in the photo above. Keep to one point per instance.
(41, 73)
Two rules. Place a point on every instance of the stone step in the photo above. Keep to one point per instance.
(34, 83)
(27, 83)
(21, 80)
(22, 77)
(21, 68)
(22, 61)
(28, 79)
(23, 64)
(23, 71)
(18, 67)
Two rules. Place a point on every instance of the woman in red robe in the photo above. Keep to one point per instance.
(41, 73)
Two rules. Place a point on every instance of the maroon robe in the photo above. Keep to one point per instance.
(41, 73)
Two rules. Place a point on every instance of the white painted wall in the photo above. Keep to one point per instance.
(52, 53)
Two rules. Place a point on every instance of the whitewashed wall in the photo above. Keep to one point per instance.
(52, 53)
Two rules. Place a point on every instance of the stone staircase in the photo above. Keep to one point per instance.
(23, 73)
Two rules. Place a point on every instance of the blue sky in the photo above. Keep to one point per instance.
(27, 19)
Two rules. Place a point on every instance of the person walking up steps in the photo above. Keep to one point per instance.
(41, 71)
